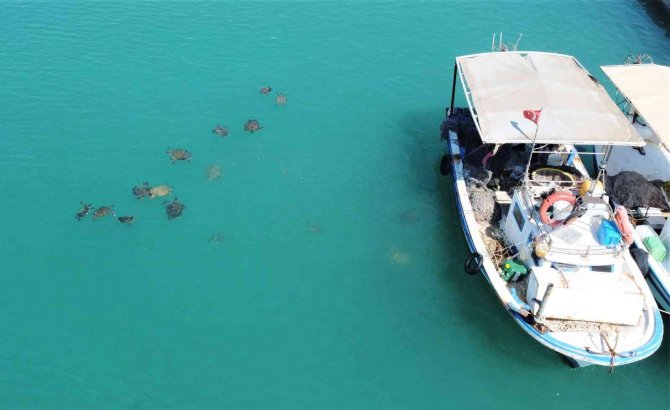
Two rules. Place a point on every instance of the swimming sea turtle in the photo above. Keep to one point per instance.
(314, 228)
(281, 99)
(103, 211)
(141, 191)
(252, 126)
(178, 154)
(399, 256)
(174, 209)
(160, 190)
(221, 131)
(265, 90)
(216, 238)
(213, 172)
(128, 219)
(410, 216)
(84, 211)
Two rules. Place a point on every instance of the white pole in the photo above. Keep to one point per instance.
(530, 157)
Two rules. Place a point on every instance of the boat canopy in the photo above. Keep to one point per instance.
(576, 109)
(647, 87)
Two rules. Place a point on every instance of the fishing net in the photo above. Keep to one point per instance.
(483, 203)
(632, 190)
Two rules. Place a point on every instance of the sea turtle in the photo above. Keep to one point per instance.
(281, 99)
(86, 208)
(174, 209)
(216, 238)
(178, 154)
(160, 190)
(400, 256)
(314, 228)
(103, 211)
(265, 90)
(221, 131)
(142, 191)
(410, 216)
(252, 126)
(127, 219)
(213, 172)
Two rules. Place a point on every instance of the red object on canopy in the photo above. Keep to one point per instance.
(533, 115)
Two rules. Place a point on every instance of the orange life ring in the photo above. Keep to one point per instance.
(550, 201)
(623, 223)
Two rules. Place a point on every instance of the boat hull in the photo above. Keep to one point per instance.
(658, 279)
(577, 355)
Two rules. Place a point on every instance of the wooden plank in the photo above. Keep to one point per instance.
(594, 306)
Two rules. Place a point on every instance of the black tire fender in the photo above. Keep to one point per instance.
(474, 263)
(641, 258)
(445, 164)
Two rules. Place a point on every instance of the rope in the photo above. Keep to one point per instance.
(612, 351)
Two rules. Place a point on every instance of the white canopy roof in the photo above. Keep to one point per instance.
(575, 108)
(647, 87)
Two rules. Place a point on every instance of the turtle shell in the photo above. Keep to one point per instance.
(221, 131)
(179, 154)
(174, 209)
(141, 191)
(103, 211)
(161, 190)
(252, 126)
(281, 99)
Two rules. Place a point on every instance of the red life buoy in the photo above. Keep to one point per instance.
(550, 201)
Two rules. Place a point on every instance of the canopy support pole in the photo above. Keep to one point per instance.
(602, 168)
(453, 91)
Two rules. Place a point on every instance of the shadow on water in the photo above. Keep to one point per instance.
(658, 12)
(479, 310)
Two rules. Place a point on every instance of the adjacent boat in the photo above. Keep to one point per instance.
(645, 88)
(541, 232)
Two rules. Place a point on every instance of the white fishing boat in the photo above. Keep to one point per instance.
(645, 91)
(542, 233)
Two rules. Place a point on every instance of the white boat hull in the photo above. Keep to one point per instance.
(577, 355)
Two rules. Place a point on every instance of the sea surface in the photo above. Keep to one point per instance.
(324, 267)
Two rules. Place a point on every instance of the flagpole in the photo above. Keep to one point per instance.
(530, 157)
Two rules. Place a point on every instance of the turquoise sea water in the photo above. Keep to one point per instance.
(339, 282)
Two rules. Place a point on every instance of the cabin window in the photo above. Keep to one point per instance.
(518, 216)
